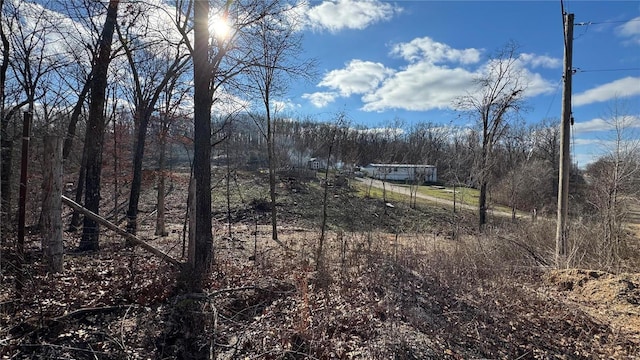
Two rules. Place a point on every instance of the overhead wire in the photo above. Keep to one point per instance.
(605, 70)
(587, 23)
(563, 12)
(555, 95)
(573, 142)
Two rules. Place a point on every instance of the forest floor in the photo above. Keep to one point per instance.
(395, 283)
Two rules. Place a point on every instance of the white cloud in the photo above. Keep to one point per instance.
(591, 125)
(582, 159)
(227, 103)
(358, 77)
(625, 87)
(436, 74)
(426, 50)
(336, 15)
(420, 86)
(540, 61)
(631, 30)
(284, 105)
(428, 84)
(321, 99)
(599, 124)
(536, 84)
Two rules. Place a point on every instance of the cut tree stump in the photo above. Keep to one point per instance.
(111, 226)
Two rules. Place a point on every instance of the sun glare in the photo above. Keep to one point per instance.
(219, 27)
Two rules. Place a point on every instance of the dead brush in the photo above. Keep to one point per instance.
(590, 250)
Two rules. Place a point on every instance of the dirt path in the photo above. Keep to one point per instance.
(405, 191)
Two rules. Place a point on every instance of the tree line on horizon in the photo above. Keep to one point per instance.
(113, 81)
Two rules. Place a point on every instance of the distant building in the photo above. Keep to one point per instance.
(402, 172)
(314, 164)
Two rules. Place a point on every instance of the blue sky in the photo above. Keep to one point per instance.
(382, 60)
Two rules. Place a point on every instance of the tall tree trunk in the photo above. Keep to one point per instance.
(325, 200)
(160, 225)
(228, 184)
(94, 139)
(191, 219)
(202, 144)
(116, 174)
(76, 219)
(75, 115)
(7, 172)
(52, 245)
(272, 181)
(136, 183)
(482, 204)
(24, 166)
(484, 171)
(5, 144)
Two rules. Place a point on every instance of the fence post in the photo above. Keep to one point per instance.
(52, 246)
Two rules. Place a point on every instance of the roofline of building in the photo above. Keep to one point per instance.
(401, 165)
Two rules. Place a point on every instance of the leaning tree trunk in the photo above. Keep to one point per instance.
(75, 116)
(94, 139)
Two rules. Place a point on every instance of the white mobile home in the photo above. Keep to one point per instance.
(402, 172)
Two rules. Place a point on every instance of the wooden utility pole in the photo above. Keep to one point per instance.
(565, 131)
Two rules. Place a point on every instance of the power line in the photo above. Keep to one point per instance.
(587, 23)
(555, 94)
(577, 70)
(563, 12)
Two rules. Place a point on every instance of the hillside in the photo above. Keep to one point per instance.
(398, 283)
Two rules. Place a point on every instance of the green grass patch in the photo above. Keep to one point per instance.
(463, 195)
(363, 190)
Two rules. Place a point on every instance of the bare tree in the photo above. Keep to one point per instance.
(4, 66)
(615, 178)
(169, 116)
(203, 100)
(497, 99)
(80, 40)
(27, 69)
(153, 62)
(515, 148)
(331, 142)
(94, 137)
(276, 55)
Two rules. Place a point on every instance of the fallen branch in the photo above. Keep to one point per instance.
(33, 324)
(159, 253)
(68, 348)
(83, 311)
(209, 295)
(538, 259)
